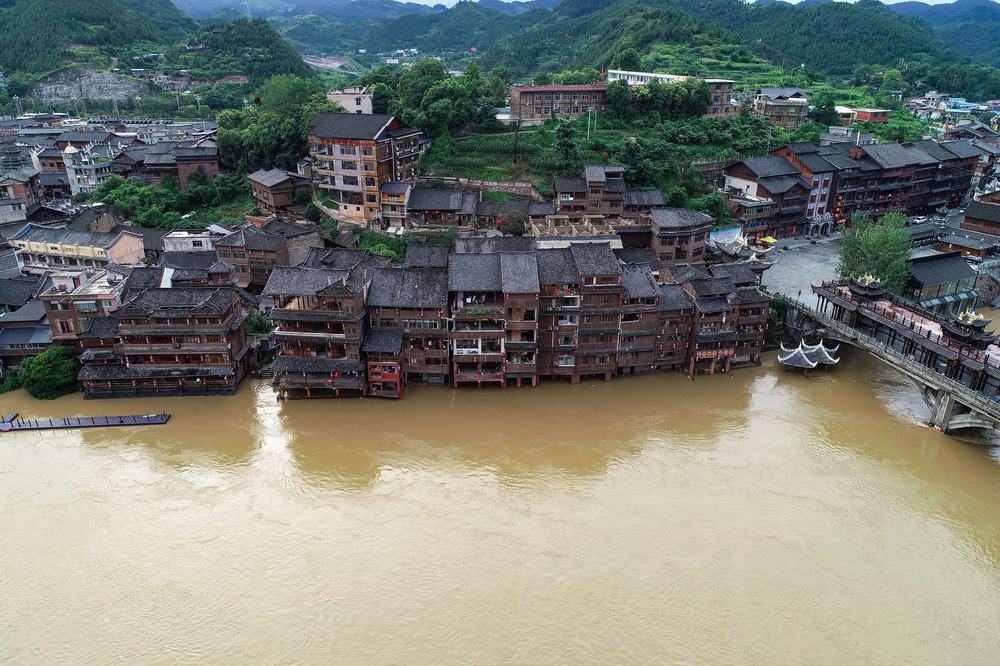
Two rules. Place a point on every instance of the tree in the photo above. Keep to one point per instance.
(514, 223)
(381, 98)
(50, 374)
(892, 79)
(628, 60)
(825, 113)
(881, 249)
(569, 154)
(619, 97)
(258, 324)
(312, 212)
(542, 79)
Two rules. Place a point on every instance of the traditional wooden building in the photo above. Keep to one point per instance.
(412, 305)
(321, 316)
(274, 189)
(679, 234)
(172, 341)
(44, 249)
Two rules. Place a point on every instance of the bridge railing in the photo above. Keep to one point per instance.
(972, 399)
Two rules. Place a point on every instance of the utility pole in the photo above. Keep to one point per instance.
(517, 136)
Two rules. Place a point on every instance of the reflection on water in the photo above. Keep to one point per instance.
(768, 517)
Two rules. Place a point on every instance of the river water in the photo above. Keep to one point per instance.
(764, 518)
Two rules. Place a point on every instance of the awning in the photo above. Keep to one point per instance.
(769, 239)
(950, 298)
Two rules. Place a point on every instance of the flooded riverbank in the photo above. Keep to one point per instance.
(763, 518)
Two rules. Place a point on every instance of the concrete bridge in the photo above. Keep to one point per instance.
(953, 405)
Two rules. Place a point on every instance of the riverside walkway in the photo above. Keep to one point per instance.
(14, 424)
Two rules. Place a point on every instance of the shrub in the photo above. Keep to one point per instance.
(50, 374)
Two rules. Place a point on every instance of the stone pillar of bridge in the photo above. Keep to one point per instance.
(942, 410)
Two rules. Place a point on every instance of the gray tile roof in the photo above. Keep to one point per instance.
(152, 238)
(32, 311)
(598, 173)
(774, 165)
(786, 93)
(426, 256)
(556, 266)
(384, 340)
(644, 198)
(712, 286)
(488, 244)
(712, 305)
(16, 291)
(978, 210)
(679, 218)
(35, 233)
(175, 302)
(781, 184)
(306, 364)
(395, 188)
(595, 259)
(643, 256)
(299, 281)
(891, 155)
(519, 272)
(940, 269)
(409, 288)
(202, 260)
(436, 200)
(935, 150)
(252, 238)
(673, 297)
(962, 149)
(739, 274)
(279, 228)
(350, 125)
(474, 272)
(571, 185)
(638, 282)
(269, 177)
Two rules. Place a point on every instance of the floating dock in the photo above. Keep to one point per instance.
(13, 424)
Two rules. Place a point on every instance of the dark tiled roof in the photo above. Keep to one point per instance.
(778, 93)
(738, 274)
(385, 340)
(673, 297)
(941, 269)
(32, 311)
(616, 185)
(269, 177)
(571, 185)
(88, 137)
(763, 167)
(556, 266)
(409, 288)
(595, 259)
(152, 238)
(177, 301)
(100, 327)
(519, 272)
(971, 242)
(305, 364)
(252, 238)
(713, 286)
(488, 244)
(638, 282)
(474, 272)
(434, 200)
(82, 220)
(639, 255)
(712, 305)
(301, 281)
(541, 208)
(344, 258)
(426, 256)
(598, 173)
(679, 218)
(33, 232)
(891, 155)
(781, 184)
(16, 291)
(752, 295)
(978, 210)
(644, 198)
(963, 149)
(934, 149)
(279, 228)
(202, 260)
(350, 125)
(395, 188)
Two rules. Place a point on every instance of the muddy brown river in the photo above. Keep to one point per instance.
(766, 518)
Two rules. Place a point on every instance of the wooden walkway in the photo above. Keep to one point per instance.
(13, 424)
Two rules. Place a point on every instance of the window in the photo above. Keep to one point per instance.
(548, 97)
(197, 244)
(556, 97)
(370, 198)
(86, 306)
(357, 101)
(565, 109)
(586, 97)
(366, 151)
(538, 98)
(369, 181)
(538, 110)
(350, 180)
(547, 110)
(576, 96)
(348, 150)
(107, 304)
(349, 166)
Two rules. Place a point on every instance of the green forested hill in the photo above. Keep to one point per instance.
(591, 40)
(164, 14)
(36, 33)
